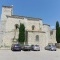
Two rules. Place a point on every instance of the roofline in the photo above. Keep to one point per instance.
(53, 29)
(7, 6)
(22, 17)
(46, 24)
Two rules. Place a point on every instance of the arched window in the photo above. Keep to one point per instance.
(16, 26)
(37, 37)
(33, 27)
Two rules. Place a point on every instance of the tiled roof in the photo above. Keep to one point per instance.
(22, 17)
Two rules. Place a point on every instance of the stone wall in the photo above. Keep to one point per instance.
(32, 38)
(6, 11)
(53, 36)
(46, 28)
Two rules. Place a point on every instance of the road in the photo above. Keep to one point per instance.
(29, 55)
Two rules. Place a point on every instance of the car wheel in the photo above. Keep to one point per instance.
(55, 50)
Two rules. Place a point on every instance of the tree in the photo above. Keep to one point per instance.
(57, 25)
(57, 32)
(21, 37)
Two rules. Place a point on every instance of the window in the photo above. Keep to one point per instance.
(37, 37)
(16, 26)
(33, 27)
(40, 26)
(51, 32)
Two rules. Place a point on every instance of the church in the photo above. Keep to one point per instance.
(36, 31)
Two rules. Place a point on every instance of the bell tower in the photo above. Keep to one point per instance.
(6, 11)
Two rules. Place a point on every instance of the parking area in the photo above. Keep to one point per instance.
(29, 55)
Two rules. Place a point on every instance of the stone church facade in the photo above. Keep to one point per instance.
(36, 31)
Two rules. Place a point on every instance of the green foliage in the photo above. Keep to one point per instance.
(21, 37)
(57, 32)
(57, 25)
(58, 35)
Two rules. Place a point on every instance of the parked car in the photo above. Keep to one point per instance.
(50, 47)
(26, 48)
(16, 47)
(35, 47)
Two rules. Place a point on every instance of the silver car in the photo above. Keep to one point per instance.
(35, 47)
(26, 48)
(50, 47)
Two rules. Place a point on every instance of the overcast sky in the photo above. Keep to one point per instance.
(48, 10)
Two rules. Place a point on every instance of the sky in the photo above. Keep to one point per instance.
(47, 10)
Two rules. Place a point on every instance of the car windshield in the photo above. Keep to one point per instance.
(17, 45)
(26, 45)
(53, 45)
(37, 45)
(49, 45)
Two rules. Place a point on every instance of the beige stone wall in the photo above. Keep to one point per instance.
(6, 11)
(28, 24)
(53, 36)
(36, 23)
(7, 38)
(46, 28)
(10, 24)
(32, 38)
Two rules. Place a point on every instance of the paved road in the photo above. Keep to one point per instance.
(29, 55)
